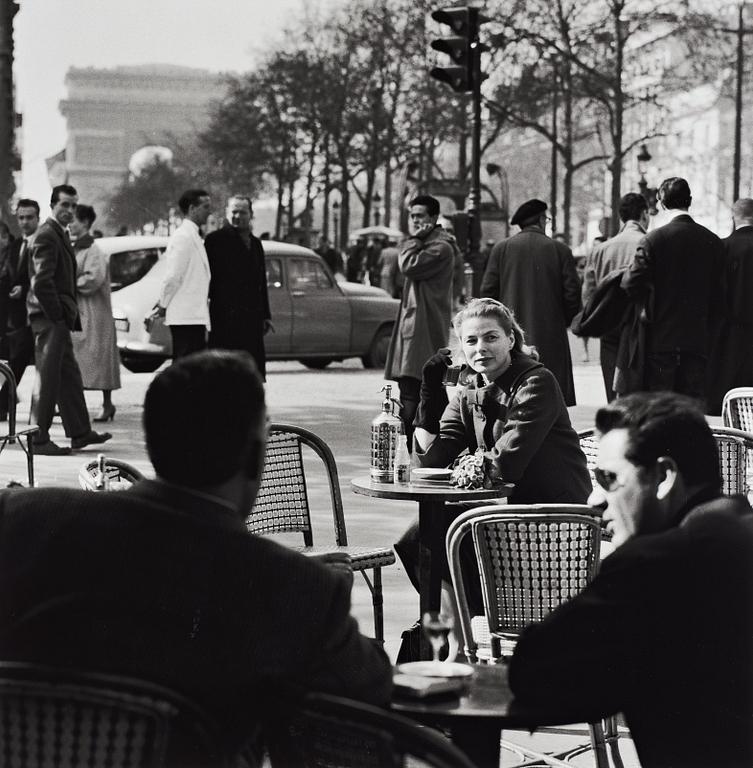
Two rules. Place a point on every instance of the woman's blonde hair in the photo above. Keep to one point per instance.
(502, 314)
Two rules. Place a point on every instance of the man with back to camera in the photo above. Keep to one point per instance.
(664, 633)
(731, 359)
(238, 299)
(164, 582)
(535, 277)
(426, 261)
(184, 297)
(14, 286)
(53, 314)
(605, 257)
(675, 275)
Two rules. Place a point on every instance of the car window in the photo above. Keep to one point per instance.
(307, 274)
(129, 267)
(274, 273)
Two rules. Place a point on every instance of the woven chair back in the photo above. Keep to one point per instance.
(71, 719)
(531, 564)
(735, 453)
(327, 731)
(737, 409)
(282, 504)
(589, 444)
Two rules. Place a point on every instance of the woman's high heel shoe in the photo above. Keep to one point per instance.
(107, 414)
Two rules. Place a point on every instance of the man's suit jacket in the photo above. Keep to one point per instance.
(664, 634)
(681, 262)
(160, 583)
(15, 272)
(52, 272)
(185, 290)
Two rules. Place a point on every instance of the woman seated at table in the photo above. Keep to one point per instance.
(512, 409)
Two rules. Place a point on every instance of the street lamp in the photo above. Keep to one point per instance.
(648, 193)
(376, 199)
(335, 217)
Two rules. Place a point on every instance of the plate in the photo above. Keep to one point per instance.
(431, 473)
(436, 669)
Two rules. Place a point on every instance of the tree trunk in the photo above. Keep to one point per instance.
(387, 194)
(619, 106)
(278, 215)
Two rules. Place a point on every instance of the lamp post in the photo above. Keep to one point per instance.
(648, 193)
(336, 217)
(376, 199)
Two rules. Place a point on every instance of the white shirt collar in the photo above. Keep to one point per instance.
(673, 213)
(192, 225)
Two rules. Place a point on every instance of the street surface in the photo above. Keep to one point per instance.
(338, 403)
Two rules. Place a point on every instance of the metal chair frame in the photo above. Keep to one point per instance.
(22, 436)
(116, 470)
(53, 716)
(327, 730)
(532, 583)
(282, 506)
(737, 408)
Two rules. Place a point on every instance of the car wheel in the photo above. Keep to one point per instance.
(141, 364)
(317, 363)
(376, 357)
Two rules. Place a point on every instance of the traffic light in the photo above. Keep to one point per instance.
(463, 47)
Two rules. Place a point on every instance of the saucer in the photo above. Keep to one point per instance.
(436, 669)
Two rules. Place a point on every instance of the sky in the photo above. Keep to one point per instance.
(53, 35)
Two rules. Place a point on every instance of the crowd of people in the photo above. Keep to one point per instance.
(238, 622)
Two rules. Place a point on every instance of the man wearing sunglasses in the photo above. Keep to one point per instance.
(664, 633)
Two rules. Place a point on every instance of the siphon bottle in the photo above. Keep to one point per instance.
(385, 430)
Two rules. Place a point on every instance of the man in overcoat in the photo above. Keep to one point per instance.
(238, 298)
(675, 276)
(535, 277)
(426, 261)
(615, 253)
(731, 358)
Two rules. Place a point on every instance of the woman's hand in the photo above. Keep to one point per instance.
(434, 370)
(433, 394)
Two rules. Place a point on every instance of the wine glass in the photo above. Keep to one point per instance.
(437, 626)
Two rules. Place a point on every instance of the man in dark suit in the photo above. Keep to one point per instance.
(731, 360)
(664, 633)
(53, 314)
(238, 300)
(536, 278)
(164, 582)
(14, 286)
(675, 276)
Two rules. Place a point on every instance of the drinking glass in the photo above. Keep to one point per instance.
(437, 626)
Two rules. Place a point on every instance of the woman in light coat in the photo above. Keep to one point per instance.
(95, 346)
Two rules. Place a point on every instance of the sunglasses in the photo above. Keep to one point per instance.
(607, 480)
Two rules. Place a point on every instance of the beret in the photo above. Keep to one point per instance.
(528, 210)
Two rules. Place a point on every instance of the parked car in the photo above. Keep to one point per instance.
(316, 318)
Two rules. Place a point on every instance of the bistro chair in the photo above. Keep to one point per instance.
(737, 408)
(589, 444)
(56, 717)
(282, 506)
(735, 463)
(531, 559)
(326, 731)
(21, 436)
(107, 474)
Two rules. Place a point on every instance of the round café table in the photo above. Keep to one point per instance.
(431, 500)
(476, 717)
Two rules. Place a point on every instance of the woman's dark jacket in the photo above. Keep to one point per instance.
(523, 426)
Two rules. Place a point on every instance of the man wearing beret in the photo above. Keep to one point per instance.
(535, 276)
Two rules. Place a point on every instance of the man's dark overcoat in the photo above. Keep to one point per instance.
(238, 299)
(535, 276)
(731, 359)
(161, 583)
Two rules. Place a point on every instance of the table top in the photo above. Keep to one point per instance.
(487, 696)
(365, 486)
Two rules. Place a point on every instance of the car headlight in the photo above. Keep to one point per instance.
(122, 324)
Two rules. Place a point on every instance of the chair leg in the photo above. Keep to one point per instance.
(611, 736)
(377, 601)
(599, 745)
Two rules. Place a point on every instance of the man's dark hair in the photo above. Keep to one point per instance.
(27, 202)
(199, 417)
(665, 424)
(431, 203)
(674, 192)
(86, 214)
(61, 189)
(632, 205)
(191, 197)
